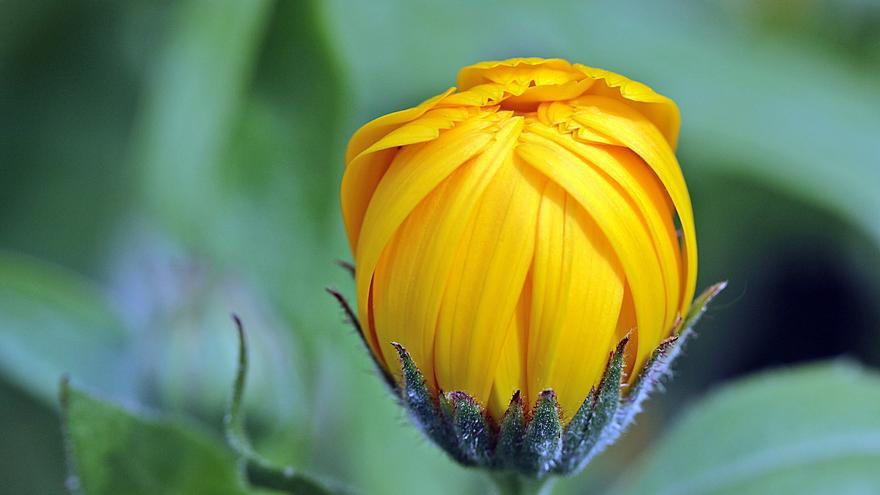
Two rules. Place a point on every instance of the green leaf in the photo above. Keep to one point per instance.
(191, 101)
(47, 312)
(808, 430)
(112, 451)
(237, 148)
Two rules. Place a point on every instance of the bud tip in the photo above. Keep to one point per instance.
(516, 399)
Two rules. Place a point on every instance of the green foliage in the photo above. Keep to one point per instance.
(238, 150)
(31, 454)
(53, 322)
(112, 451)
(811, 430)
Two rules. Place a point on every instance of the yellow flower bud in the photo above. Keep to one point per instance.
(511, 231)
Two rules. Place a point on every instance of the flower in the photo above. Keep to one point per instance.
(510, 233)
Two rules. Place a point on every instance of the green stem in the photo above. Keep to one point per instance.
(510, 483)
(259, 471)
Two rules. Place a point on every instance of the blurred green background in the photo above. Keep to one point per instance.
(164, 164)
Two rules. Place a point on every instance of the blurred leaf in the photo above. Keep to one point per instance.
(31, 459)
(113, 451)
(177, 307)
(54, 322)
(238, 150)
(280, 173)
(808, 430)
(196, 87)
(65, 117)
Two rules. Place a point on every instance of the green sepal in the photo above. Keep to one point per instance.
(532, 445)
(450, 443)
(608, 404)
(472, 431)
(599, 429)
(542, 444)
(417, 398)
(511, 433)
(658, 365)
(574, 437)
(701, 303)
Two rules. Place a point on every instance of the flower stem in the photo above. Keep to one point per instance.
(510, 483)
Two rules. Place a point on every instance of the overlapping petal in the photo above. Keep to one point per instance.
(487, 280)
(576, 297)
(618, 221)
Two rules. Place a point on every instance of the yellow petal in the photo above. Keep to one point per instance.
(425, 128)
(414, 173)
(374, 130)
(638, 183)
(531, 96)
(639, 134)
(660, 110)
(620, 223)
(486, 280)
(411, 275)
(426, 244)
(510, 374)
(626, 327)
(364, 170)
(576, 295)
(542, 71)
(481, 95)
(358, 184)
